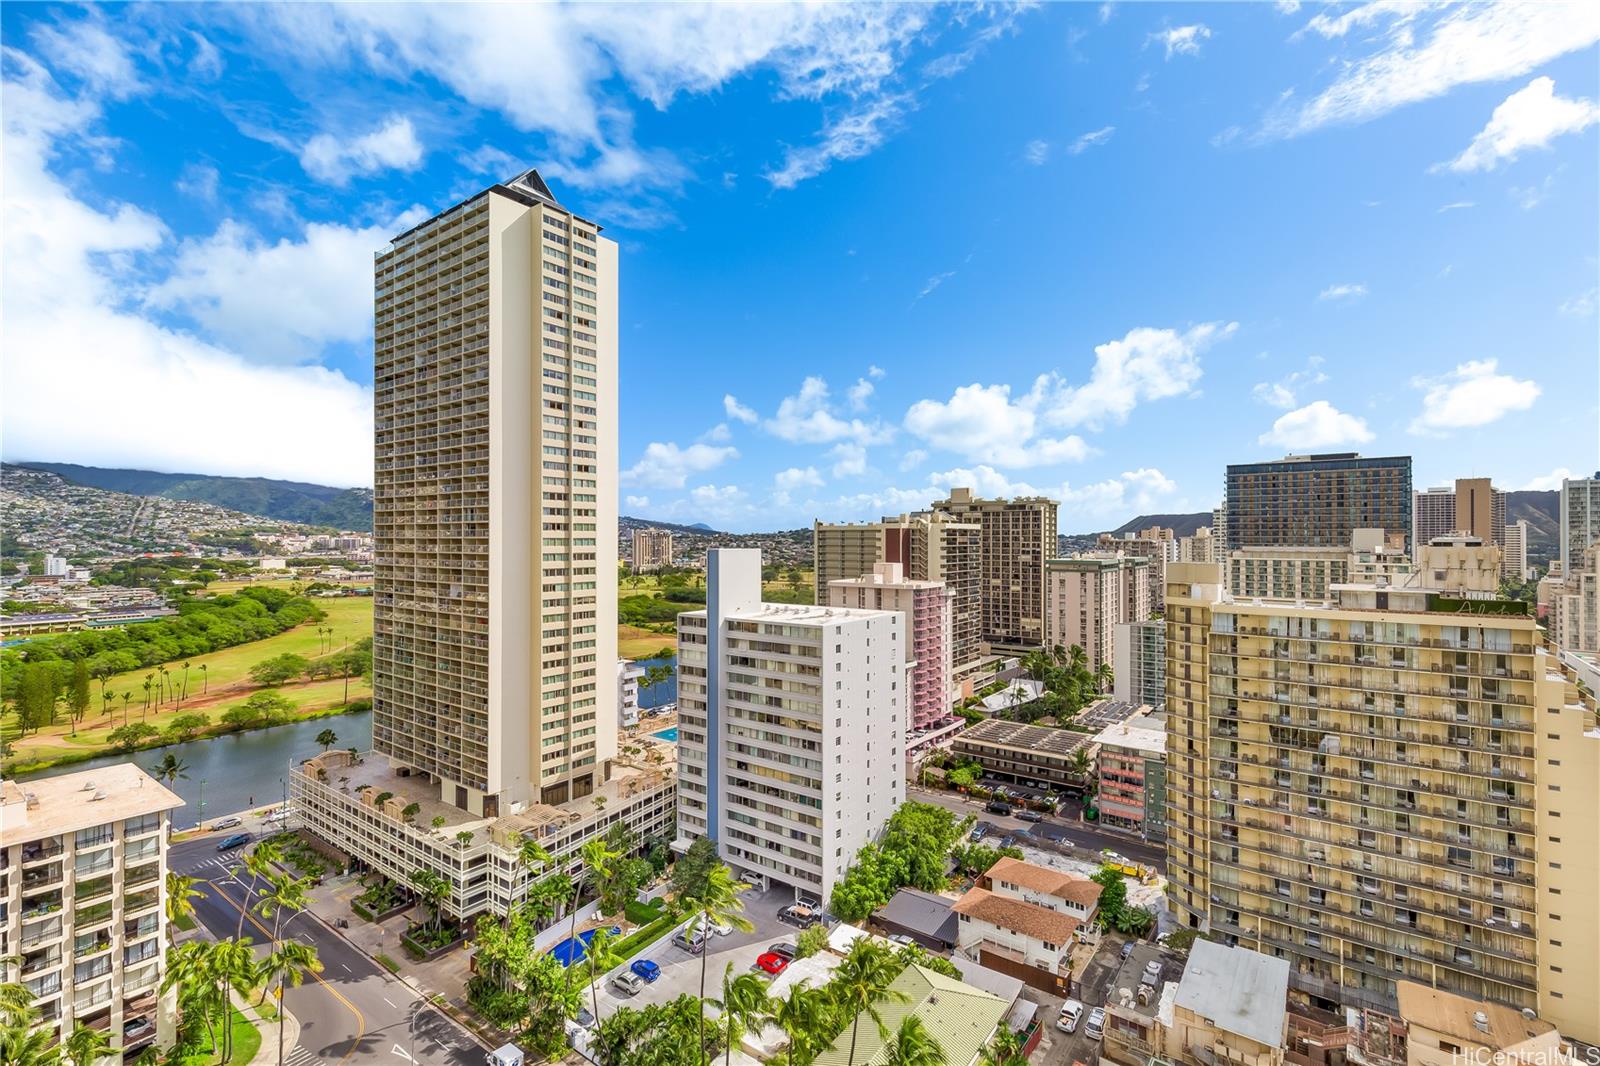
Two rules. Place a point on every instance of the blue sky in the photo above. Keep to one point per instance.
(1096, 251)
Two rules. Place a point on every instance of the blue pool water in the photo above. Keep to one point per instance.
(670, 735)
(567, 952)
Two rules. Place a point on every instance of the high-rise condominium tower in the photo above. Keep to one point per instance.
(652, 549)
(495, 521)
(1016, 538)
(1472, 505)
(1399, 784)
(929, 546)
(1316, 501)
(791, 728)
(1580, 518)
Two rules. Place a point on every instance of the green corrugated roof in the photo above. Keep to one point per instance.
(961, 1018)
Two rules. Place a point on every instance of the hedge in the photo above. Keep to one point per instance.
(644, 936)
(642, 913)
(361, 912)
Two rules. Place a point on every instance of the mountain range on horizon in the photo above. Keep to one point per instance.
(351, 508)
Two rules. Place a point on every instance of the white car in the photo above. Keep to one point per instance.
(229, 822)
(628, 983)
(1071, 1014)
(1095, 1028)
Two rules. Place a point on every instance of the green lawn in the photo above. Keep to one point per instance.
(246, 1042)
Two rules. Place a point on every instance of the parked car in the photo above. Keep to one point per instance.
(134, 1028)
(1071, 1014)
(788, 951)
(646, 969)
(979, 831)
(1127, 949)
(799, 914)
(230, 842)
(771, 962)
(1095, 1028)
(584, 1018)
(900, 938)
(719, 928)
(1030, 816)
(690, 939)
(230, 822)
(997, 807)
(628, 983)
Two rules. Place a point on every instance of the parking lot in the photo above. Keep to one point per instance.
(1094, 988)
(680, 970)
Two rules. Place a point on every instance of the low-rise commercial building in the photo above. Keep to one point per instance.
(83, 864)
(1139, 1005)
(1032, 755)
(1231, 1006)
(1132, 771)
(1432, 1027)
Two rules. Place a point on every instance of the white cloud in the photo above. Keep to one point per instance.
(1281, 394)
(1455, 205)
(1318, 424)
(797, 478)
(854, 134)
(1350, 290)
(1429, 50)
(933, 283)
(206, 63)
(849, 460)
(67, 320)
(876, 372)
(199, 180)
(1473, 394)
(738, 411)
(1531, 117)
(717, 434)
(83, 48)
(912, 459)
(1091, 139)
(1106, 11)
(1036, 152)
(281, 301)
(1182, 40)
(805, 418)
(1147, 364)
(667, 466)
(983, 424)
(1547, 482)
(1581, 305)
(392, 146)
(859, 394)
(636, 502)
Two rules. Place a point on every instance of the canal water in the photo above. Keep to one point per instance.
(229, 773)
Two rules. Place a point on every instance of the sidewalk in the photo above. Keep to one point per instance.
(267, 1053)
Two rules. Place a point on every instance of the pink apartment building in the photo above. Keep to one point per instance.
(928, 610)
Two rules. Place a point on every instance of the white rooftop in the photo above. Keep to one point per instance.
(1238, 990)
(1137, 737)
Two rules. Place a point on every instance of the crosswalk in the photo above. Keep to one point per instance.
(300, 1056)
(220, 864)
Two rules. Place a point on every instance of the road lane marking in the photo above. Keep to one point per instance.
(361, 1021)
(391, 1002)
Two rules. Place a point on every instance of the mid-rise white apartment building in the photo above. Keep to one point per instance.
(83, 864)
(1088, 596)
(791, 722)
(1141, 658)
(1580, 518)
(1515, 560)
(925, 608)
(629, 675)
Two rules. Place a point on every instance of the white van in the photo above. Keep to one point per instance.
(1071, 1014)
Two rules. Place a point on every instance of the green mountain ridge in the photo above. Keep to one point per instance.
(288, 501)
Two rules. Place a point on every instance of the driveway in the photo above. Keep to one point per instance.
(680, 970)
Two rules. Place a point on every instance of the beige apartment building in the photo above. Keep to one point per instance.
(1088, 596)
(83, 864)
(1017, 537)
(495, 534)
(1396, 785)
(1308, 573)
(929, 546)
(1574, 615)
(652, 550)
(1515, 563)
(1156, 543)
(1472, 506)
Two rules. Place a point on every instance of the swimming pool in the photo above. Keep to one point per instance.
(567, 953)
(670, 734)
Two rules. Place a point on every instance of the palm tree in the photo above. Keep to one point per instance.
(1077, 658)
(601, 955)
(184, 692)
(1079, 762)
(744, 1006)
(912, 1045)
(327, 738)
(1103, 677)
(719, 904)
(595, 857)
(106, 700)
(85, 1046)
(205, 682)
(1005, 1049)
(288, 964)
(180, 896)
(531, 856)
(23, 1045)
(433, 890)
(149, 679)
(127, 697)
(16, 1003)
(170, 769)
(800, 1015)
(233, 967)
(861, 981)
(258, 863)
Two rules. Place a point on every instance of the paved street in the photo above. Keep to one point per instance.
(353, 1010)
(1083, 834)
